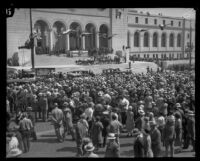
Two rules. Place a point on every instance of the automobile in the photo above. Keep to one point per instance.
(79, 73)
(111, 71)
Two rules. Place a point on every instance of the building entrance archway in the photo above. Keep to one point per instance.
(43, 44)
(103, 40)
(59, 40)
(90, 40)
(75, 37)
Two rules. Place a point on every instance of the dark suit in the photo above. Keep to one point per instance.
(156, 142)
(139, 147)
(191, 132)
(81, 132)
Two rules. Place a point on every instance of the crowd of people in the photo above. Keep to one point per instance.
(155, 109)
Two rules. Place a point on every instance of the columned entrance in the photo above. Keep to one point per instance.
(103, 40)
(43, 44)
(90, 40)
(75, 37)
(59, 40)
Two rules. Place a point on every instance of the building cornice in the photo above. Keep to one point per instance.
(156, 27)
(158, 16)
(68, 13)
(156, 51)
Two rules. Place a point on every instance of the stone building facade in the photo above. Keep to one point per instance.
(122, 23)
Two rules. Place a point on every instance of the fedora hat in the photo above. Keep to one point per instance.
(111, 136)
(152, 123)
(177, 105)
(29, 108)
(141, 112)
(89, 147)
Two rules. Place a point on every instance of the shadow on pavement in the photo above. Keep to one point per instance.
(47, 136)
(71, 149)
(47, 140)
(127, 153)
(126, 144)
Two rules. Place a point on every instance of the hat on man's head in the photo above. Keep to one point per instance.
(55, 104)
(152, 123)
(111, 136)
(29, 109)
(89, 147)
(65, 104)
(141, 112)
(178, 105)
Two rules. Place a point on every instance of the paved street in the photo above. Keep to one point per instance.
(47, 145)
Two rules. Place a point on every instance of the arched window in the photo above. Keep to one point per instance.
(146, 39)
(136, 39)
(155, 40)
(163, 40)
(171, 40)
(179, 40)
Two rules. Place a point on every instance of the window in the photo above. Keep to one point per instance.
(146, 39)
(136, 39)
(179, 23)
(146, 20)
(153, 55)
(155, 21)
(138, 55)
(171, 40)
(155, 40)
(163, 40)
(147, 55)
(179, 40)
(128, 38)
(188, 35)
(136, 19)
(163, 22)
(172, 23)
(144, 55)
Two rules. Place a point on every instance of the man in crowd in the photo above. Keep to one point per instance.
(25, 126)
(57, 120)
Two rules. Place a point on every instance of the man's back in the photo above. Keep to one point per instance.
(115, 127)
(57, 114)
(25, 124)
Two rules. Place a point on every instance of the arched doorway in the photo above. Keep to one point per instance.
(43, 44)
(75, 37)
(90, 40)
(59, 42)
(103, 41)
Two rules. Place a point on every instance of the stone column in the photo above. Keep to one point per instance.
(83, 42)
(51, 39)
(68, 42)
(97, 40)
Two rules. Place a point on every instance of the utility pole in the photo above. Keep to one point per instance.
(190, 44)
(32, 42)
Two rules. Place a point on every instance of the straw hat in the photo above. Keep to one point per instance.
(89, 147)
(111, 136)
(14, 153)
